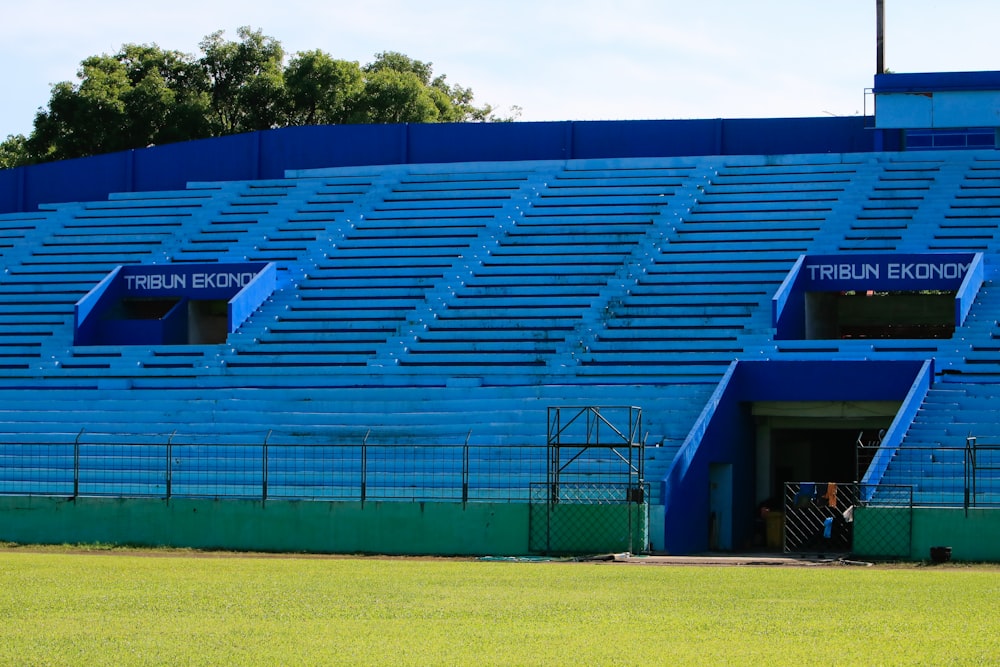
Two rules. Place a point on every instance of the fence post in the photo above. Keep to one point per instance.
(465, 469)
(970, 472)
(364, 466)
(76, 464)
(170, 464)
(264, 471)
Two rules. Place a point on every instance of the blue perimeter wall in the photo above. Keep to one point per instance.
(268, 154)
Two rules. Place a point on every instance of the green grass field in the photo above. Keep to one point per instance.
(175, 608)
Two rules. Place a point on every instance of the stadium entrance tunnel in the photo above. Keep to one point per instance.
(172, 304)
(772, 422)
(884, 295)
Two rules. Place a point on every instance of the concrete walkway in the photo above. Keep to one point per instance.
(722, 560)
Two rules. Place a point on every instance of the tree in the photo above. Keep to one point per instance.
(397, 62)
(86, 119)
(140, 96)
(383, 91)
(246, 81)
(321, 90)
(455, 103)
(144, 95)
(14, 151)
(390, 96)
(167, 100)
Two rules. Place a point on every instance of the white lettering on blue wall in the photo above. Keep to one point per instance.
(172, 282)
(220, 280)
(156, 281)
(846, 271)
(927, 271)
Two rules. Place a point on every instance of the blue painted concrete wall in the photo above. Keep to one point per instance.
(268, 154)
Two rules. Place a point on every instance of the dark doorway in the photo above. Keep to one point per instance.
(871, 314)
(812, 455)
(208, 322)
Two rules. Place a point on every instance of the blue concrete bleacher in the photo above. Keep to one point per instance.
(430, 305)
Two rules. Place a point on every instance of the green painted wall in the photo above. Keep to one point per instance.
(429, 528)
(886, 532)
(289, 526)
(587, 529)
(975, 537)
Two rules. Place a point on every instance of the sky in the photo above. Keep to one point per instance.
(552, 59)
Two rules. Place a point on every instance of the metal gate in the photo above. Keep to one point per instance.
(594, 499)
(588, 519)
(828, 518)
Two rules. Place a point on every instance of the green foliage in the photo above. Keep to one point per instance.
(14, 151)
(144, 95)
(161, 608)
(399, 89)
(320, 89)
(245, 81)
(397, 62)
(140, 96)
(391, 96)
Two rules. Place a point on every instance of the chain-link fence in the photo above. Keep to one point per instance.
(982, 473)
(828, 518)
(588, 518)
(883, 522)
(941, 476)
(178, 466)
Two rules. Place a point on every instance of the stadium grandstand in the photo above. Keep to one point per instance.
(519, 338)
